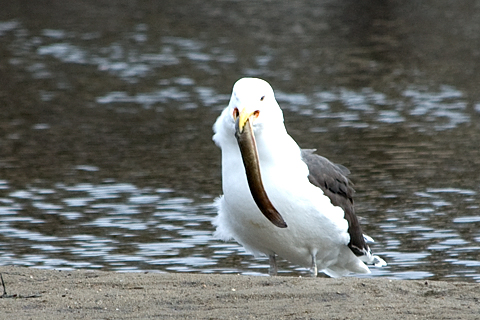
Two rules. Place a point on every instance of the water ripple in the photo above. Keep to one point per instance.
(119, 226)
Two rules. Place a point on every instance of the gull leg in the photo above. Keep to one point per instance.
(272, 271)
(313, 268)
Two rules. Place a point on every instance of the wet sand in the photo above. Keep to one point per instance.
(52, 294)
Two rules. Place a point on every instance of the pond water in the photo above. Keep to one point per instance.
(106, 158)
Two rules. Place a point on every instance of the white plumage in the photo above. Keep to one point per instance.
(317, 232)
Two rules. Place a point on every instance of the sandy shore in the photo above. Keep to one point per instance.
(51, 294)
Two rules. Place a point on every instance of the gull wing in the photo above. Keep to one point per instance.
(332, 179)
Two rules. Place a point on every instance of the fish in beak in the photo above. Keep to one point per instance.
(248, 149)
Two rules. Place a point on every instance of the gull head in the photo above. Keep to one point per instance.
(253, 100)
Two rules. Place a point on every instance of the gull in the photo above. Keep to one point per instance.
(279, 199)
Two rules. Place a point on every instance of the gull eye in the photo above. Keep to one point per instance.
(236, 113)
(263, 97)
(256, 114)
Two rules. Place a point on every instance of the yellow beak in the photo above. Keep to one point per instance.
(242, 119)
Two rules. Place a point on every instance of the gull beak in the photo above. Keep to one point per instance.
(242, 119)
(248, 149)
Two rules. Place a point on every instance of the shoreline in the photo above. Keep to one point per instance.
(52, 294)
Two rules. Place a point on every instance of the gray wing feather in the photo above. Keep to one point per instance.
(332, 179)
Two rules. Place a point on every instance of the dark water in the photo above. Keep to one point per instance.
(106, 108)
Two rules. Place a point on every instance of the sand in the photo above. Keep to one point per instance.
(52, 294)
